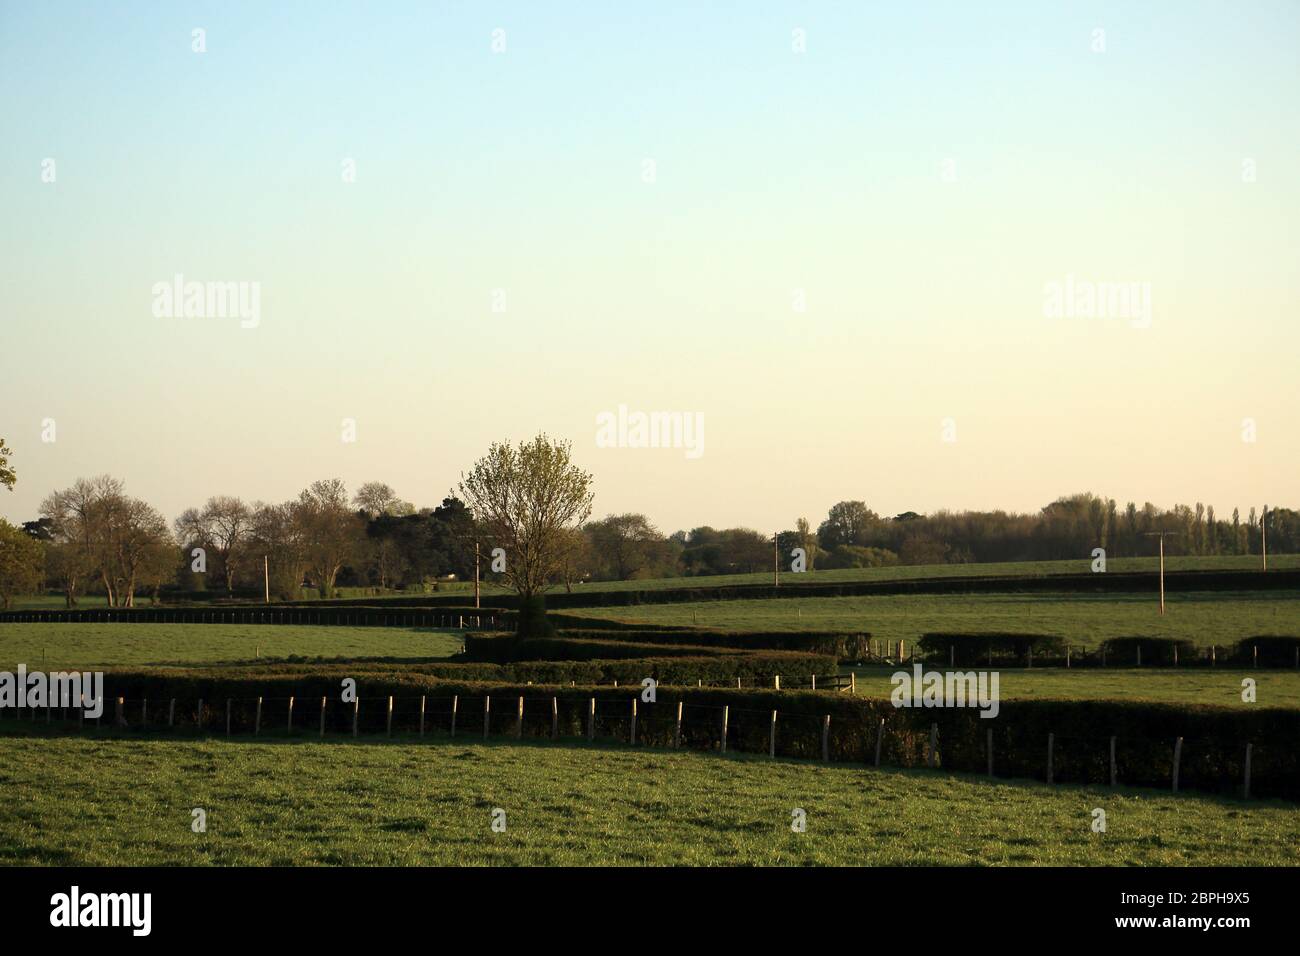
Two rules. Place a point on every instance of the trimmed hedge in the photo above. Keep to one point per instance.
(504, 648)
(1212, 756)
(1155, 650)
(1274, 650)
(844, 646)
(974, 648)
(358, 615)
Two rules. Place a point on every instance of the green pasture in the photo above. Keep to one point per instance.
(74, 801)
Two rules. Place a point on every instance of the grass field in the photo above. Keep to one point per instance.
(51, 646)
(897, 573)
(1083, 619)
(79, 801)
(1274, 688)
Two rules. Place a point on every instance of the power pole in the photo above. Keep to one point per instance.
(476, 573)
(266, 579)
(776, 561)
(1161, 535)
(1263, 536)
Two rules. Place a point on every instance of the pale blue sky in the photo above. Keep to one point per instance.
(776, 171)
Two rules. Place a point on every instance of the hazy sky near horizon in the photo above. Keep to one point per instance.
(918, 178)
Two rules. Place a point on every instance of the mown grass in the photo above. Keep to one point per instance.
(62, 646)
(1220, 687)
(113, 801)
(1085, 620)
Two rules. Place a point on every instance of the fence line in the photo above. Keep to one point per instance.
(710, 727)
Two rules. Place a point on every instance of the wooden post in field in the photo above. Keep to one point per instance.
(322, 717)
(118, 718)
(289, 725)
(853, 684)
(1254, 655)
(487, 715)
(227, 716)
(422, 697)
(814, 682)
(677, 739)
(455, 700)
(81, 710)
(1212, 655)
(171, 713)
(1031, 655)
(952, 655)
(555, 718)
(390, 715)
(1178, 756)
(726, 711)
(1175, 655)
(880, 736)
(1067, 655)
(1051, 744)
(519, 721)
(778, 682)
(257, 721)
(633, 721)
(988, 747)
(1249, 748)
(826, 738)
(934, 734)
(356, 714)
(1113, 775)
(1139, 655)
(591, 719)
(771, 746)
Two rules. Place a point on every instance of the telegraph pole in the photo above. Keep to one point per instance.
(776, 561)
(1263, 536)
(266, 579)
(476, 573)
(1161, 535)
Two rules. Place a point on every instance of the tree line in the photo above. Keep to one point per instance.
(534, 505)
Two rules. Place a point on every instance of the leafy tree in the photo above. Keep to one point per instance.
(525, 498)
(21, 563)
(7, 476)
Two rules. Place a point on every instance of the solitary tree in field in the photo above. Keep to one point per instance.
(526, 499)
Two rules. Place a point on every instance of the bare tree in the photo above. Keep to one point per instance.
(376, 499)
(225, 528)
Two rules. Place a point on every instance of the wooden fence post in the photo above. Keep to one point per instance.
(934, 745)
(322, 717)
(633, 721)
(988, 747)
(289, 727)
(880, 735)
(1113, 775)
(1051, 743)
(814, 682)
(257, 721)
(677, 739)
(171, 713)
(771, 746)
(118, 718)
(826, 737)
(1067, 655)
(778, 682)
(519, 721)
(356, 713)
(487, 714)
(591, 719)
(1031, 655)
(1212, 655)
(455, 700)
(390, 715)
(853, 684)
(1254, 655)
(555, 718)
(726, 711)
(422, 698)
(1249, 748)
(1178, 756)
(1139, 655)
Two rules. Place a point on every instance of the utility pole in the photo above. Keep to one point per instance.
(776, 561)
(476, 573)
(1263, 536)
(266, 579)
(1161, 535)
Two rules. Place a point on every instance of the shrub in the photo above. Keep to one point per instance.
(1274, 650)
(1155, 650)
(974, 648)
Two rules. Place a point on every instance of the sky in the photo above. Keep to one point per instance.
(830, 232)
